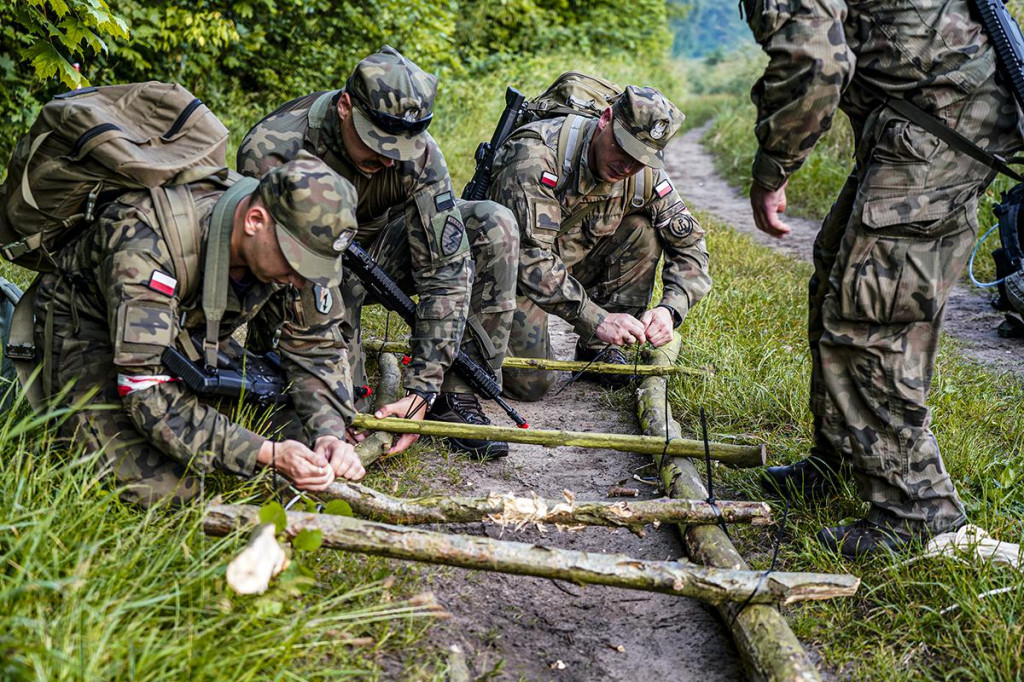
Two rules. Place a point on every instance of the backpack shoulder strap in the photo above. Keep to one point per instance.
(317, 114)
(176, 213)
(215, 270)
(568, 148)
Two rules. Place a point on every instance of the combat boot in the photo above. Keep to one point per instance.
(812, 478)
(865, 538)
(612, 355)
(464, 408)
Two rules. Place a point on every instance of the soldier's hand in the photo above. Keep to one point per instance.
(658, 326)
(767, 204)
(355, 436)
(342, 457)
(307, 469)
(621, 329)
(411, 406)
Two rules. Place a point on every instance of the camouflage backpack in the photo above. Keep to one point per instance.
(89, 145)
(580, 96)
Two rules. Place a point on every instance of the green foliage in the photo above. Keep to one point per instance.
(708, 28)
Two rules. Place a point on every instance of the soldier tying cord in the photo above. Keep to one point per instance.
(594, 223)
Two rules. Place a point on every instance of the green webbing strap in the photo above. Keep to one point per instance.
(954, 139)
(175, 212)
(317, 114)
(218, 254)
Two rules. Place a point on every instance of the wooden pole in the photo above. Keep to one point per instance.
(552, 365)
(768, 646)
(388, 389)
(734, 455)
(482, 553)
(522, 510)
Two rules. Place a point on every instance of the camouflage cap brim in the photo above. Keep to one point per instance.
(648, 156)
(312, 266)
(397, 147)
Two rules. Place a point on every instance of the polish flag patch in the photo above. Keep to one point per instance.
(129, 383)
(162, 283)
(663, 188)
(548, 179)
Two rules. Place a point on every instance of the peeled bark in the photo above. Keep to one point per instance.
(518, 511)
(482, 553)
(734, 455)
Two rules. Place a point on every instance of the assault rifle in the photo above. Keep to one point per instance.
(387, 291)
(259, 378)
(477, 187)
(1002, 29)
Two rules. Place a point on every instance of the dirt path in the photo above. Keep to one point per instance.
(969, 317)
(527, 625)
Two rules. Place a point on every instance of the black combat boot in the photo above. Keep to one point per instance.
(612, 355)
(812, 478)
(865, 538)
(464, 408)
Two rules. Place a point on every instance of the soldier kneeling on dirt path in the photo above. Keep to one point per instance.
(373, 132)
(894, 244)
(596, 211)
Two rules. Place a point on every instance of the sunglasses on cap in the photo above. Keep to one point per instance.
(393, 125)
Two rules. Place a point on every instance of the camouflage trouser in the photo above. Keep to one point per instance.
(494, 241)
(82, 372)
(618, 274)
(888, 255)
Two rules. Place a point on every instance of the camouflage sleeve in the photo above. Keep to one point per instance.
(143, 320)
(315, 360)
(265, 147)
(810, 66)
(520, 170)
(685, 272)
(442, 271)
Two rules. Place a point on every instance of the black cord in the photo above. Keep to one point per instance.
(580, 373)
(707, 461)
(771, 566)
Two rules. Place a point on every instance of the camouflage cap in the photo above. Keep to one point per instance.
(393, 104)
(314, 210)
(643, 122)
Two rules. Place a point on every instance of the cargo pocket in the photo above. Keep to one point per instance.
(145, 328)
(906, 257)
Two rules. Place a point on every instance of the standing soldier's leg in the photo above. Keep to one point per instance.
(529, 339)
(82, 360)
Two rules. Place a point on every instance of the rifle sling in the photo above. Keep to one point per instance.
(954, 139)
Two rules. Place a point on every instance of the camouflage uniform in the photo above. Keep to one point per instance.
(897, 238)
(116, 305)
(411, 224)
(605, 263)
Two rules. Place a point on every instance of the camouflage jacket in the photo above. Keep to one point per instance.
(113, 268)
(442, 269)
(546, 257)
(827, 54)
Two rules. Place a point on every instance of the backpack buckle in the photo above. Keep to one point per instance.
(15, 250)
(20, 351)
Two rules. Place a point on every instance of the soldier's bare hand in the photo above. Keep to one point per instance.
(658, 326)
(355, 436)
(411, 406)
(621, 329)
(342, 457)
(767, 204)
(307, 469)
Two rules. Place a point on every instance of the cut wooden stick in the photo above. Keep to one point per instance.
(733, 455)
(552, 365)
(764, 639)
(482, 553)
(388, 389)
(520, 510)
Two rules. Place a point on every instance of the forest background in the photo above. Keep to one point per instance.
(92, 589)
